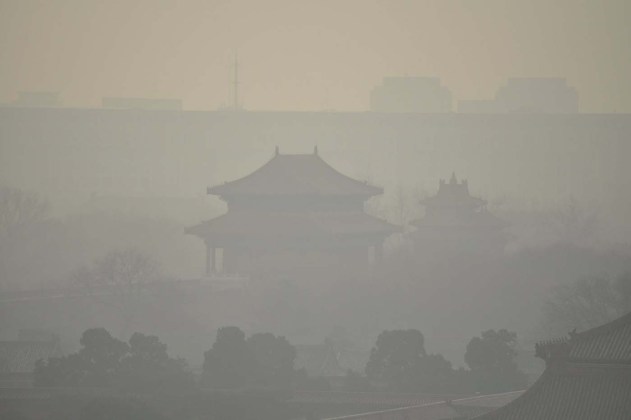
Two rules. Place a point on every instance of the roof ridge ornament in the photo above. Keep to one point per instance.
(315, 150)
(553, 349)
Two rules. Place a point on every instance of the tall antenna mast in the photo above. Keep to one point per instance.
(236, 83)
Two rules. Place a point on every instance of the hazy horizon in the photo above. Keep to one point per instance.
(298, 55)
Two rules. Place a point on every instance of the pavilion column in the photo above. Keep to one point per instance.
(378, 252)
(226, 263)
(210, 259)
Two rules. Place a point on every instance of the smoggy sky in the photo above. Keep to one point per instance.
(310, 55)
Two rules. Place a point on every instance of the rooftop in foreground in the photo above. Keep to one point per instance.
(588, 377)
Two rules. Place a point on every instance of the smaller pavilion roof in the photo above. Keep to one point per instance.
(453, 194)
(304, 174)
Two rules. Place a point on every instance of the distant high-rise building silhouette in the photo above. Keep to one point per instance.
(142, 103)
(527, 95)
(411, 94)
(37, 99)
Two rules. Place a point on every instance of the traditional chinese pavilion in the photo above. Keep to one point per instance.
(295, 212)
(455, 221)
(587, 377)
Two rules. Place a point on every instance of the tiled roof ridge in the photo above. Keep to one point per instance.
(250, 175)
(602, 329)
(317, 156)
(555, 348)
(561, 347)
(571, 369)
(219, 189)
(574, 367)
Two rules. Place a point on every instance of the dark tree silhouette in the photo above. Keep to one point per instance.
(104, 361)
(262, 361)
(95, 364)
(399, 360)
(227, 363)
(395, 355)
(273, 360)
(147, 366)
(436, 374)
(491, 359)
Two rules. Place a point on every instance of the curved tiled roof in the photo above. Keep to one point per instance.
(305, 174)
(453, 194)
(588, 377)
(292, 224)
(607, 343)
(577, 393)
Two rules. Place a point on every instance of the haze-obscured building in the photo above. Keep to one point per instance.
(142, 103)
(294, 213)
(455, 222)
(480, 106)
(69, 154)
(37, 99)
(411, 94)
(542, 95)
(538, 95)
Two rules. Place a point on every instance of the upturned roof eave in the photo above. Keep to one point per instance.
(226, 191)
(349, 186)
(381, 228)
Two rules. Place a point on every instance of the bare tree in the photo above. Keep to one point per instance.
(21, 213)
(586, 303)
(120, 279)
(20, 209)
(128, 269)
(575, 223)
(407, 205)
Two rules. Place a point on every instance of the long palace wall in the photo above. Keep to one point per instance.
(71, 154)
